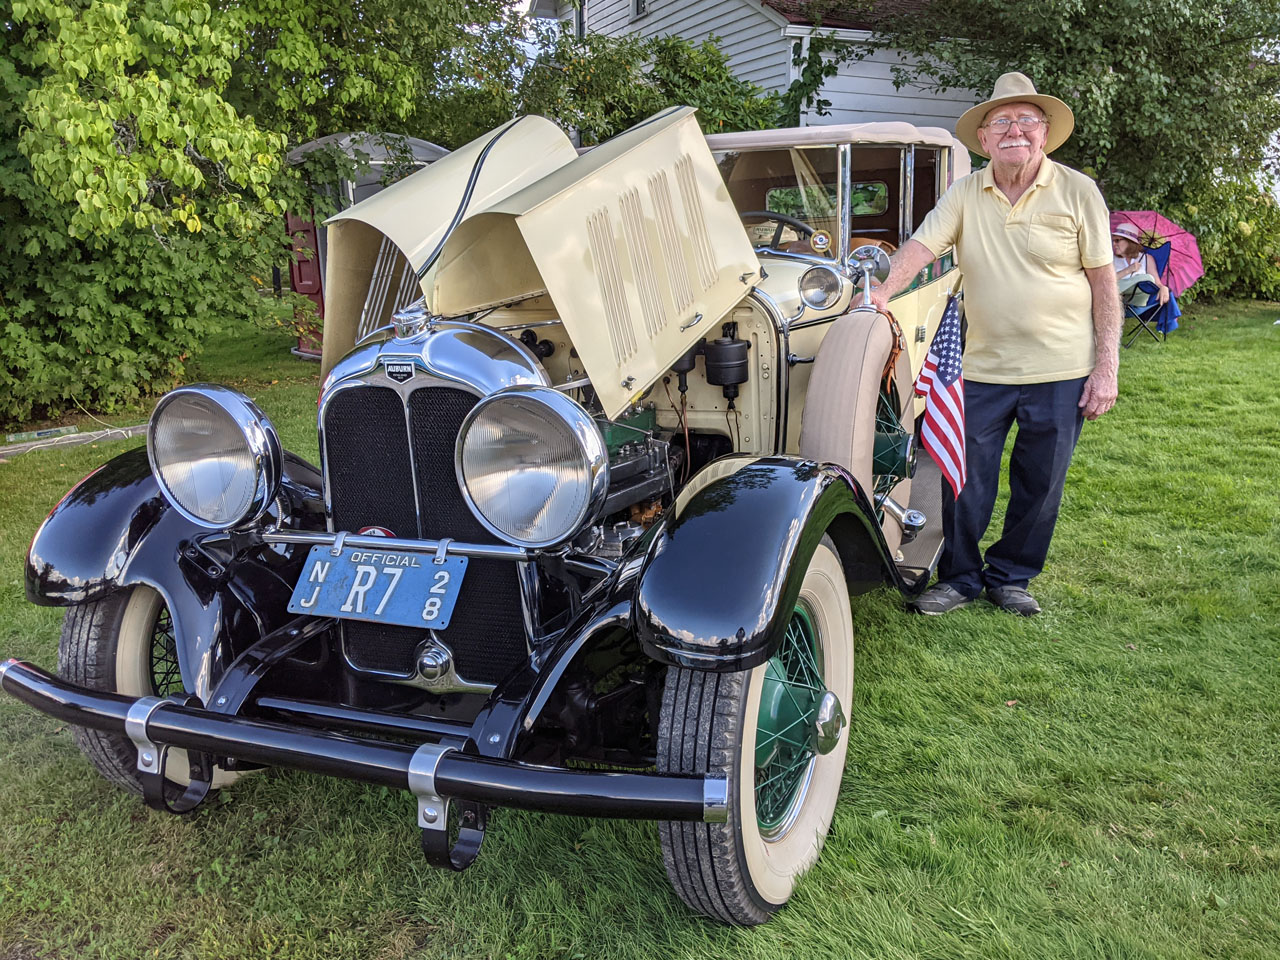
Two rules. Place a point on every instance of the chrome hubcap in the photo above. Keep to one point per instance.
(829, 723)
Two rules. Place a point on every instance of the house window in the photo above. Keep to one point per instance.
(580, 20)
(639, 8)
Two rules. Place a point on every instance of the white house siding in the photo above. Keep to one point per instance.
(758, 45)
(863, 92)
(749, 37)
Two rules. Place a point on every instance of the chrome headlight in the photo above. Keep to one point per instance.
(820, 287)
(532, 465)
(215, 455)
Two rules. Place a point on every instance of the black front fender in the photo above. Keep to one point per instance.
(722, 574)
(84, 545)
(115, 529)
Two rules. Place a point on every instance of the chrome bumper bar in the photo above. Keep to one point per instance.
(455, 775)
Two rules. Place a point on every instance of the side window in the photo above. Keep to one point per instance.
(925, 187)
(875, 191)
(868, 198)
(799, 201)
(639, 8)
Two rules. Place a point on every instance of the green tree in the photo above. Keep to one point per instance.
(1163, 91)
(142, 181)
(142, 145)
(1175, 103)
(137, 203)
(307, 68)
(600, 86)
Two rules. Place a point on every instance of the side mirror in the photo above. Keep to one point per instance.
(872, 263)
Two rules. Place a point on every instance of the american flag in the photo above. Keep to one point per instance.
(942, 384)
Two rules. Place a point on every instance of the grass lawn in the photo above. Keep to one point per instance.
(1099, 781)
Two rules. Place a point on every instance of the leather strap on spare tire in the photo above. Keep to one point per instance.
(891, 364)
(860, 353)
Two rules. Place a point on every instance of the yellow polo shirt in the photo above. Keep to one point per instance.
(1026, 297)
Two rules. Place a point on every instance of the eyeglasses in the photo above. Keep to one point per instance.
(1002, 125)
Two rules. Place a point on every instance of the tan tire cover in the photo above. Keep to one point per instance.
(839, 420)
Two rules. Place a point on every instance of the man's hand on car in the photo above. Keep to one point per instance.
(910, 259)
(878, 297)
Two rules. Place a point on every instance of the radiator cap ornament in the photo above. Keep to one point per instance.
(411, 320)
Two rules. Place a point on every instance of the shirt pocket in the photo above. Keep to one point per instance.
(1051, 237)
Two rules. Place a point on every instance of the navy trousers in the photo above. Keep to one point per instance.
(1049, 423)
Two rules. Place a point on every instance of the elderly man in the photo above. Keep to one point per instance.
(1032, 239)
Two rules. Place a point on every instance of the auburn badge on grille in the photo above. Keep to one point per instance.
(398, 370)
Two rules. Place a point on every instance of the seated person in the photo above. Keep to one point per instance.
(1133, 264)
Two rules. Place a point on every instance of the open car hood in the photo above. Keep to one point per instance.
(636, 243)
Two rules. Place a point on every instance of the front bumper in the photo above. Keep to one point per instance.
(453, 774)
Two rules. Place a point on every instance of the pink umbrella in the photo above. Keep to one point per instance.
(1184, 267)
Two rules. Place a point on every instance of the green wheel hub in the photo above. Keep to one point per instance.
(894, 455)
(792, 690)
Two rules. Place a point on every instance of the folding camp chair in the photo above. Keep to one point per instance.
(1141, 301)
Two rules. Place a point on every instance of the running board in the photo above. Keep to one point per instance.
(916, 560)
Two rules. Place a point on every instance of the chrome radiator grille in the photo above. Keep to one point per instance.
(376, 453)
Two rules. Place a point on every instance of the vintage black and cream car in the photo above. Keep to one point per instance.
(606, 444)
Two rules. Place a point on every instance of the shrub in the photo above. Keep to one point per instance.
(98, 323)
(137, 204)
(1237, 225)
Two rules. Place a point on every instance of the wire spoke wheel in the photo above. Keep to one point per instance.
(166, 675)
(789, 698)
(893, 457)
(768, 732)
(124, 643)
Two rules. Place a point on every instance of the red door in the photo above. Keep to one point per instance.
(304, 274)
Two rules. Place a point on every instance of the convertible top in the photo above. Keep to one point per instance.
(893, 133)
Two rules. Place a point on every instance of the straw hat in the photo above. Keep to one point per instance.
(1127, 231)
(1017, 88)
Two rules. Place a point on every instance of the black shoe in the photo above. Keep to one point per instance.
(939, 599)
(1014, 599)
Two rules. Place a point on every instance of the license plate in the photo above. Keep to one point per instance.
(381, 586)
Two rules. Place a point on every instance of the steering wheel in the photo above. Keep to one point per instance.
(782, 220)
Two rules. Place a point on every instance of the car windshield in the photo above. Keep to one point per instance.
(800, 186)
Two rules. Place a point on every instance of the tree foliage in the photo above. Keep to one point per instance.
(307, 68)
(137, 202)
(821, 59)
(596, 86)
(143, 143)
(125, 120)
(1164, 91)
(1238, 228)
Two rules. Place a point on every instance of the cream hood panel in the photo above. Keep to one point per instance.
(637, 243)
(416, 213)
